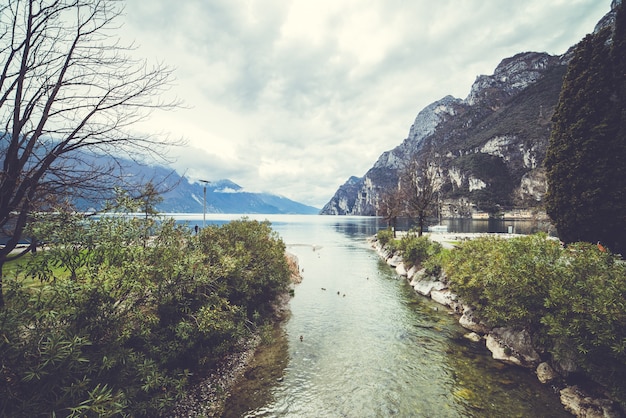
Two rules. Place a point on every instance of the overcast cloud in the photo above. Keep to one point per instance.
(293, 97)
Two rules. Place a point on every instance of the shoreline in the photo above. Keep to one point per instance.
(506, 344)
(208, 397)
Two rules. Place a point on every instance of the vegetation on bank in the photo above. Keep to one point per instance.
(118, 314)
(416, 250)
(571, 300)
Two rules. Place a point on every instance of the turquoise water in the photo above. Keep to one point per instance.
(360, 343)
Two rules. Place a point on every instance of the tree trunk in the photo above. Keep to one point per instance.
(420, 227)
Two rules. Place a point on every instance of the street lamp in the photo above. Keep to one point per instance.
(204, 205)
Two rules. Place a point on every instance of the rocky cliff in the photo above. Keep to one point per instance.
(489, 147)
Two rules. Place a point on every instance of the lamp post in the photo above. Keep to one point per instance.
(204, 205)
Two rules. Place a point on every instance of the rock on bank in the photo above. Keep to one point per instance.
(508, 345)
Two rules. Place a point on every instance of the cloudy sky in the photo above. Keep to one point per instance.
(295, 96)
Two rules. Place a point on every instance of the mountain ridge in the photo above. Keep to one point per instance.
(225, 196)
(180, 195)
(489, 147)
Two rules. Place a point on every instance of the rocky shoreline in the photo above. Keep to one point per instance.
(208, 397)
(508, 345)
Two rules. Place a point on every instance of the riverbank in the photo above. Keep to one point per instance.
(208, 397)
(507, 345)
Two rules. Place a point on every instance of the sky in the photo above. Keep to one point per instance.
(293, 97)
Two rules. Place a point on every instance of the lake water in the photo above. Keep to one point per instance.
(360, 343)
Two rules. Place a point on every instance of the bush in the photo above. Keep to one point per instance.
(507, 280)
(436, 259)
(571, 300)
(384, 236)
(118, 321)
(251, 263)
(586, 314)
(416, 250)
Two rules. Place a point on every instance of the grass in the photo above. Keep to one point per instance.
(15, 269)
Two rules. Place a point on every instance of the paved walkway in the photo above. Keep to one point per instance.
(451, 239)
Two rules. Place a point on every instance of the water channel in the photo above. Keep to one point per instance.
(360, 343)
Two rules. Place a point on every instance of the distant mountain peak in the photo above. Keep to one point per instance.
(180, 195)
(511, 76)
(224, 186)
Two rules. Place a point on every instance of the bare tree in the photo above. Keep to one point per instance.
(391, 207)
(67, 89)
(420, 182)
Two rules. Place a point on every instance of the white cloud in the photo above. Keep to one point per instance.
(295, 96)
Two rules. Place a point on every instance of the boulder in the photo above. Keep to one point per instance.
(580, 404)
(426, 286)
(512, 346)
(501, 352)
(472, 336)
(417, 276)
(401, 270)
(468, 321)
(394, 260)
(447, 298)
(386, 254)
(412, 272)
(545, 373)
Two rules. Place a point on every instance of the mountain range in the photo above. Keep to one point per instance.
(225, 196)
(180, 195)
(489, 148)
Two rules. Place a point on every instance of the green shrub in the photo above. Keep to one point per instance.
(118, 320)
(506, 279)
(417, 250)
(414, 249)
(436, 259)
(586, 314)
(571, 300)
(384, 236)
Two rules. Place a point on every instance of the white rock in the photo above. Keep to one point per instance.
(512, 346)
(501, 352)
(425, 287)
(411, 273)
(468, 321)
(417, 276)
(472, 336)
(401, 270)
(445, 297)
(394, 260)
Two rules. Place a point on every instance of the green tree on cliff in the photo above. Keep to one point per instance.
(585, 159)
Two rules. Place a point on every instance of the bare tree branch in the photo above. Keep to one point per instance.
(67, 87)
(420, 182)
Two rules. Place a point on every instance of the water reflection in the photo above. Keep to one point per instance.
(255, 389)
(358, 226)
